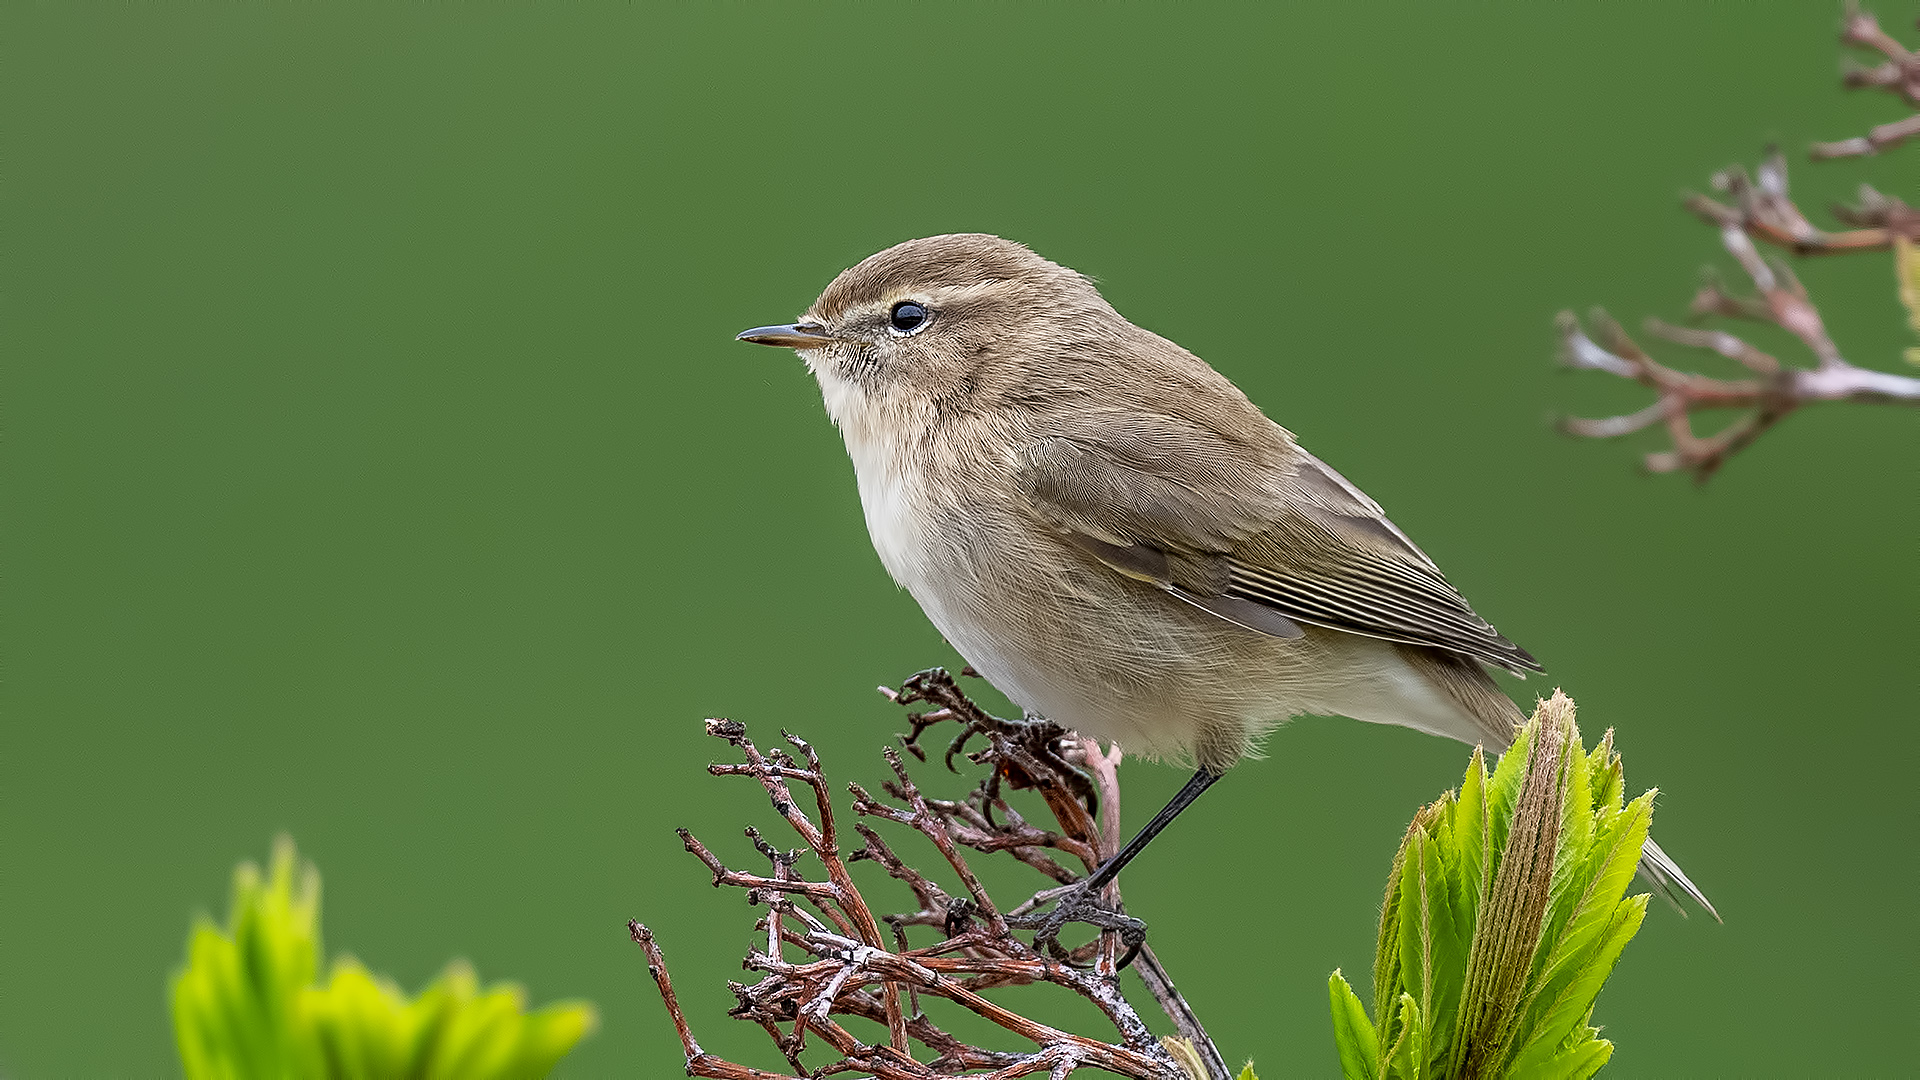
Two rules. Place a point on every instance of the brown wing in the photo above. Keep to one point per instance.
(1249, 528)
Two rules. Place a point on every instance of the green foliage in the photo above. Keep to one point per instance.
(247, 1004)
(1505, 912)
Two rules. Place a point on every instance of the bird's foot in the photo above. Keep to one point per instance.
(1080, 904)
(1033, 733)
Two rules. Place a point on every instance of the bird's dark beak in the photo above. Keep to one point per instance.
(797, 336)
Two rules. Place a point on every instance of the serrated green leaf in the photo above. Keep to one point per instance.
(1444, 947)
(1572, 870)
(1617, 854)
(1353, 1033)
(1574, 1063)
(1574, 1001)
(1409, 1060)
(1609, 779)
(1470, 840)
(1247, 1073)
(1396, 1050)
(1413, 953)
(1386, 954)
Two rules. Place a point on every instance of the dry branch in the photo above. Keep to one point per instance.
(1899, 75)
(846, 968)
(1759, 207)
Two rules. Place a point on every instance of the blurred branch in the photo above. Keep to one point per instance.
(1899, 75)
(845, 966)
(1759, 207)
(1762, 208)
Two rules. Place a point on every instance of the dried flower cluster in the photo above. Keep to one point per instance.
(826, 957)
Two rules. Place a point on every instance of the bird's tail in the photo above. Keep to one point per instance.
(1497, 718)
(1670, 881)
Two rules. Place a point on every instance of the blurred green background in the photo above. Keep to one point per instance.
(381, 469)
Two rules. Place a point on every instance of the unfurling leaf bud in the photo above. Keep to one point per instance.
(1504, 914)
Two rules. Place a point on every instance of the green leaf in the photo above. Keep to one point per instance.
(1576, 1063)
(1413, 952)
(1574, 1002)
(1502, 789)
(1609, 779)
(547, 1034)
(233, 1003)
(1470, 840)
(1572, 869)
(1506, 934)
(1387, 950)
(1409, 1058)
(1353, 1033)
(246, 1004)
(1444, 942)
(1555, 1003)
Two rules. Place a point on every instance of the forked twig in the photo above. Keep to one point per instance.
(1898, 75)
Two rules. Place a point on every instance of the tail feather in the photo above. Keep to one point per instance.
(1496, 717)
(1670, 881)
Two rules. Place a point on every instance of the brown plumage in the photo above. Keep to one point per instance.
(1110, 532)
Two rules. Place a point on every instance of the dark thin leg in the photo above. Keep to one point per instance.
(1107, 871)
(1083, 903)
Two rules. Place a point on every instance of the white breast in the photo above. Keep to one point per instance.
(890, 496)
(890, 489)
(902, 519)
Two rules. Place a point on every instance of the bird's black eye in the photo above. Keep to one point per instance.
(907, 317)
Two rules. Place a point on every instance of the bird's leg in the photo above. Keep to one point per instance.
(1082, 904)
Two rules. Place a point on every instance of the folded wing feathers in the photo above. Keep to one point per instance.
(1377, 609)
(1295, 535)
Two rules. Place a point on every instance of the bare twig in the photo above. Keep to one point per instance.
(1899, 75)
(1761, 207)
(848, 969)
(1174, 1004)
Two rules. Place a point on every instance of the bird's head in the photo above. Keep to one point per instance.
(945, 324)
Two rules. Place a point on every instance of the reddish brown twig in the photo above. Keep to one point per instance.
(1899, 75)
(1761, 207)
(847, 969)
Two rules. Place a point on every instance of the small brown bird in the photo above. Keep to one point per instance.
(1116, 538)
